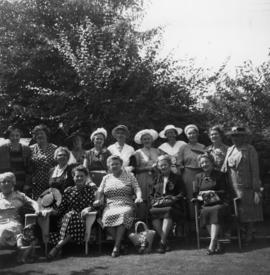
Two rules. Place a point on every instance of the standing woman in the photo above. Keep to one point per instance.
(42, 159)
(120, 148)
(217, 149)
(96, 158)
(188, 161)
(241, 164)
(75, 144)
(172, 146)
(15, 157)
(145, 170)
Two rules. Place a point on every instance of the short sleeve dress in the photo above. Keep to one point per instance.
(43, 161)
(118, 194)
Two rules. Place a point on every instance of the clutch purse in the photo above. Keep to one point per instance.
(210, 198)
(163, 201)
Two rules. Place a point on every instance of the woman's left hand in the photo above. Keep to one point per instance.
(138, 200)
(85, 211)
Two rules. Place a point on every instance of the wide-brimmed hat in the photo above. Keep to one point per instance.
(99, 131)
(153, 133)
(122, 128)
(178, 130)
(238, 131)
(191, 126)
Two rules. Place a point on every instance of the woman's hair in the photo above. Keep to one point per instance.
(164, 157)
(8, 175)
(206, 155)
(11, 129)
(112, 158)
(61, 149)
(41, 127)
(80, 168)
(217, 128)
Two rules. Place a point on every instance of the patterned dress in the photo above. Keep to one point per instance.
(69, 213)
(118, 194)
(43, 161)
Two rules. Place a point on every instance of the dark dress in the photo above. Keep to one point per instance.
(174, 187)
(64, 180)
(96, 162)
(69, 213)
(215, 213)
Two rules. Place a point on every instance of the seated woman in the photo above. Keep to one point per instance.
(76, 203)
(210, 188)
(169, 185)
(118, 189)
(12, 204)
(61, 174)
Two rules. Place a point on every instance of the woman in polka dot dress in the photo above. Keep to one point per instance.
(77, 202)
(118, 189)
(42, 160)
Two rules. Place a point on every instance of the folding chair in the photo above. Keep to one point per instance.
(234, 216)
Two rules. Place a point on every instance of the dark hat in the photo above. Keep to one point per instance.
(120, 127)
(238, 131)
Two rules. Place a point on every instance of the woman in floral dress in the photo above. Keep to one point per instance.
(42, 159)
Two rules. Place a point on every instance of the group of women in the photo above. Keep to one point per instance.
(127, 184)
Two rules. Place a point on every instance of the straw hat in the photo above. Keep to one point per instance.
(120, 127)
(178, 130)
(153, 133)
(191, 126)
(99, 131)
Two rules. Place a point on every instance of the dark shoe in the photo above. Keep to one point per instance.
(210, 252)
(219, 248)
(162, 248)
(55, 252)
(115, 253)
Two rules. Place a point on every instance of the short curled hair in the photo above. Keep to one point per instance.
(80, 168)
(11, 129)
(217, 128)
(166, 158)
(207, 155)
(41, 127)
(8, 175)
(61, 149)
(112, 158)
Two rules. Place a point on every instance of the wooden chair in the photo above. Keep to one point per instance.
(44, 223)
(235, 221)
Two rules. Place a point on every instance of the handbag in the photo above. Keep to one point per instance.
(142, 240)
(210, 198)
(163, 201)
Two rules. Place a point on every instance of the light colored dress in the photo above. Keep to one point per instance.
(146, 158)
(242, 165)
(172, 151)
(10, 225)
(118, 195)
(124, 152)
(43, 161)
(188, 161)
(218, 154)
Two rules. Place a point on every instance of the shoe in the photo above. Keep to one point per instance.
(167, 248)
(162, 248)
(115, 253)
(56, 251)
(219, 248)
(210, 252)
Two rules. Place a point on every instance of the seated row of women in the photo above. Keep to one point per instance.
(239, 161)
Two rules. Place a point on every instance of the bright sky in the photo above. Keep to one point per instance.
(212, 30)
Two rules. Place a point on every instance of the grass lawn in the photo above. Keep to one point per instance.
(184, 259)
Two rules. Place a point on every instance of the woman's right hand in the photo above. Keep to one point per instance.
(97, 203)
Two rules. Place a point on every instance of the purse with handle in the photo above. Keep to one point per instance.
(142, 240)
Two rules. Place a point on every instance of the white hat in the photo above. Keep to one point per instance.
(178, 130)
(191, 126)
(99, 131)
(153, 133)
